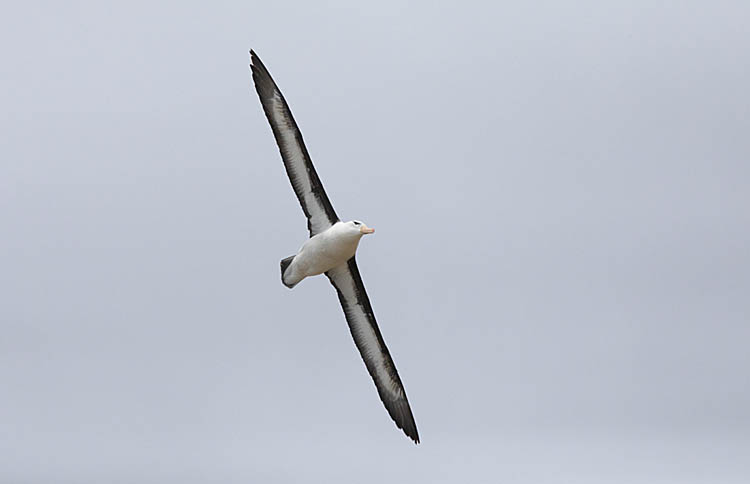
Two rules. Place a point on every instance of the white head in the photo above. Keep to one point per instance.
(360, 227)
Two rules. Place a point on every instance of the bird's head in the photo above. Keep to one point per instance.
(360, 227)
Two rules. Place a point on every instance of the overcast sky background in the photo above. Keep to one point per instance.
(561, 267)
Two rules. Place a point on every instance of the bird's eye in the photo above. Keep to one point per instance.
(356, 223)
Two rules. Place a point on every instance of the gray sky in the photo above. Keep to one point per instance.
(561, 266)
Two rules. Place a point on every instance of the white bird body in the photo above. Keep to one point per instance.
(324, 251)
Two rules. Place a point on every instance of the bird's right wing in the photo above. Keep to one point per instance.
(305, 182)
(348, 283)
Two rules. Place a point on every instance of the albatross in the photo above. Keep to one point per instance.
(331, 250)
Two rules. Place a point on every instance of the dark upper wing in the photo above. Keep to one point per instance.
(348, 283)
(305, 182)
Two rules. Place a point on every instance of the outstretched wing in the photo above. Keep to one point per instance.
(305, 182)
(348, 283)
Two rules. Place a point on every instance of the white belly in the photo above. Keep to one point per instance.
(323, 252)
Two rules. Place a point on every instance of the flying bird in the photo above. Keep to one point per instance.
(330, 250)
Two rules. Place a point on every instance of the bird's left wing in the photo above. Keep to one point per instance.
(305, 182)
(348, 283)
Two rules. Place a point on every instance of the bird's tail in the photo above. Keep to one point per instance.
(285, 263)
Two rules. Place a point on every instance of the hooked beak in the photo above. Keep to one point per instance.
(366, 230)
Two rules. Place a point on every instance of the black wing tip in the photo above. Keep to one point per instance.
(410, 429)
(400, 413)
(412, 434)
(257, 64)
(264, 83)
